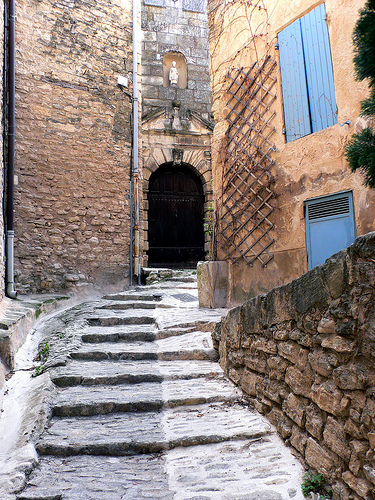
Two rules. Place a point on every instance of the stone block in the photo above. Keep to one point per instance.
(281, 422)
(352, 429)
(320, 362)
(350, 377)
(338, 344)
(277, 367)
(274, 390)
(295, 408)
(327, 325)
(321, 459)
(371, 438)
(263, 345)
(314, 421)
(256, 362)
(335, 274)
(299, 383)
(250, 382)
(293, 353)
(231, 329)
(335, 438)
(362, 487)
(330, 399)
(298, 440)
(368, 413)
(369, 473)
(212, 277)
(309, 291)
(354, 464)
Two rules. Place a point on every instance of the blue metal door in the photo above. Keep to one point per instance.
(330, 226)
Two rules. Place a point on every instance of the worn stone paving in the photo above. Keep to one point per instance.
(140, 409)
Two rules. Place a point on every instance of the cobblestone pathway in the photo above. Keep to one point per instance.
(141, 410)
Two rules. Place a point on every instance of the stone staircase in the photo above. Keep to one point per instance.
(142, 410)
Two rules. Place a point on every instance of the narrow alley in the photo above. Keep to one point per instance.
(139, 407)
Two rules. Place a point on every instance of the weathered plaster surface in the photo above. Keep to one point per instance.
(305, 168)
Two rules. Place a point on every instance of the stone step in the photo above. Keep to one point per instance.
(134, 433)
(122, 306)
(119, 372)
(115, 351)
(257, 469)
(148, 396)
(133, 297)
(200, 348)
(118, 336)
(119, 320)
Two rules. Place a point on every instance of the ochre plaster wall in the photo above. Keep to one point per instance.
(73, 142)
(305, 168)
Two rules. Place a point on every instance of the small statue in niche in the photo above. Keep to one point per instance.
(173, 74)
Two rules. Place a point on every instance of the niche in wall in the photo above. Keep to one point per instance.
(181, 67)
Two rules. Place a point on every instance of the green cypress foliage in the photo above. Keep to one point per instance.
(360, 150)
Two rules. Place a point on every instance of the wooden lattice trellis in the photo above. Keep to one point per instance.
(245, 203)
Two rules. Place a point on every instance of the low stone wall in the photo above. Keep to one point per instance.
(305, 355)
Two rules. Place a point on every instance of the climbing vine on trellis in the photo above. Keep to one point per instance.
(245, 202)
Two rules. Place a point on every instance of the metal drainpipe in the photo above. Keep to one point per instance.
(137, 263)
(10, 290)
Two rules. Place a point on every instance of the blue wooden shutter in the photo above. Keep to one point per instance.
(319, 71)
(293, 79)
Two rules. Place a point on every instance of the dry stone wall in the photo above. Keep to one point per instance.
(304, 354)
(73, 140)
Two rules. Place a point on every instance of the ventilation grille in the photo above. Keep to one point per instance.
(329, 208)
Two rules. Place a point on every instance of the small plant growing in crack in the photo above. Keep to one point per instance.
(43, 353)
(38, 371)
(313, 484)
(42, 357)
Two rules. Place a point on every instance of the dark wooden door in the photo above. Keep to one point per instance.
(175, 217)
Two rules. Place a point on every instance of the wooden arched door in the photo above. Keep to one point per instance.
(175, 217)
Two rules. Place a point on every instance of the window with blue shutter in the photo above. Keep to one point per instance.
(307, 75)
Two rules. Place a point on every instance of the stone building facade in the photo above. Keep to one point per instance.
(73, 197)
(176, 128)
(2, 256)
(280, 189)
(73, 144)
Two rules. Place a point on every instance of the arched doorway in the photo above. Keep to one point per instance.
(175, 217)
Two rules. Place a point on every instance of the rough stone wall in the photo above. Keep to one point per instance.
(172, 28)
(309, 167)
(2, 261)
(304, 354)
(73, 140)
